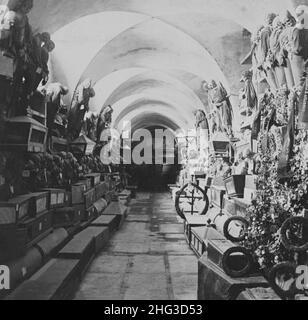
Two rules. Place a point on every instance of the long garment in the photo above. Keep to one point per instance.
(285, 53)
(299, 53)
(54, 92)
(303, 106)
(221, 101)
(264, 52)
(276, 63)
(80, 106)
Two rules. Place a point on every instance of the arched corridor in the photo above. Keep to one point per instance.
(153, 149)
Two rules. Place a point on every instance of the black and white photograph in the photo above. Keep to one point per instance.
(154, 151)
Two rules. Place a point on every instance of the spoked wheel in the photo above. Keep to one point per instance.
(191, 199)
(294, 234)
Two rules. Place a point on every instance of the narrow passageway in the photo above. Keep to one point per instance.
(148, 259)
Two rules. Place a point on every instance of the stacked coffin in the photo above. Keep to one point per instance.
(226, 270)
(24, 221)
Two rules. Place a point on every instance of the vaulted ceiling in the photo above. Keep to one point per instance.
(148, 58)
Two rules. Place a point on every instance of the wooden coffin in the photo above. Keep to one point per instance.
(15, 210)
(86, 182)
(95, 179)
(100, 190)
(89, 215)
(197, 243)
(56, 281)
(110, 221)
(191, 222)
(57, 198)
(38, 227)
(59, 144)
(214, 284)
(80, 211)
(100, 235)
(66, 217)
(26, 134)
(15, 240)
(40, 202)
(89, 198)
(77, 191)
(81, 248)
(235, 186)
(217, 194)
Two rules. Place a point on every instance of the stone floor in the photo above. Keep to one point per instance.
(148, 259)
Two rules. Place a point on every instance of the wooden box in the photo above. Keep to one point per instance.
(14, 210)
(90, 214)
(58, 280)
(197, 241)
(214, 284)
(112, 222)
(37, 227)
(95, 179)
(15, 240)
(193, 221)
(78, 190)
(99, 234)
(235, 186)
(81, 248)
(57, 198)
(89, 198)
(59, 144)
(81, 211)
(26, 134)
(66, 217)
(40, 202)
(86, 182)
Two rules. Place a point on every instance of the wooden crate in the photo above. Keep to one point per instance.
(235, 186)
(192, 222)
(25, 134)
(16, 239)
(89, 198)
(57, 198)
(214, 284)
(197, 242)
(66, 217)
(216, 194)
(40, 202)
(90, 214)
(14, 210)
(77, 191)
(95, 179)
(110, 221)
(58, 280)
